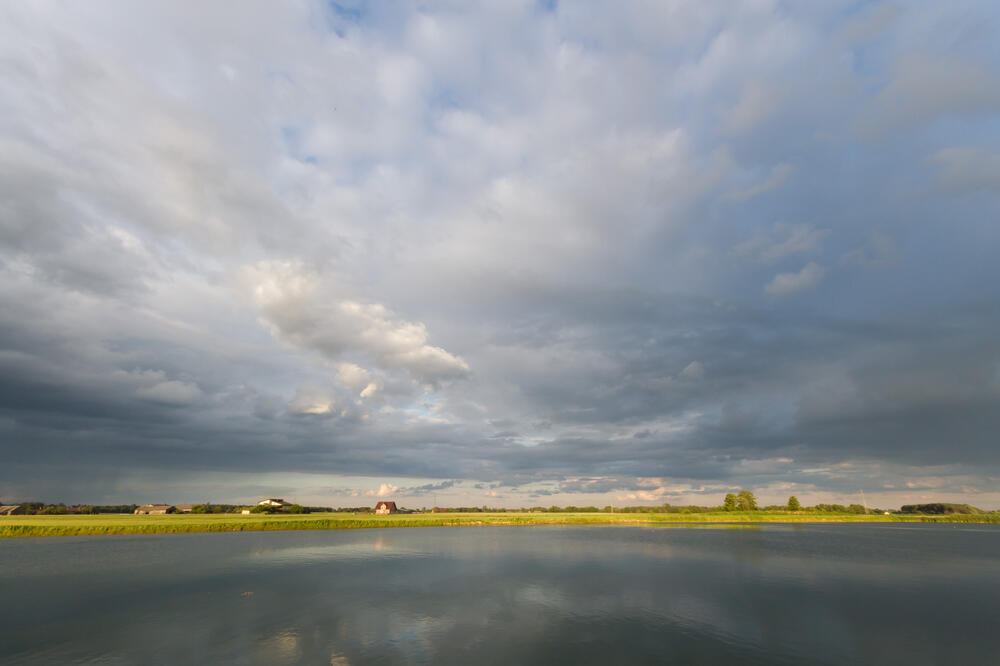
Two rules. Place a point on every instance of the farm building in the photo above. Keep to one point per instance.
(274, 502)
(155, 509)
(383, 508)
(11, 509)
(184, 508)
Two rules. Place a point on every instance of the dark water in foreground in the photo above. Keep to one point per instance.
(835, 594)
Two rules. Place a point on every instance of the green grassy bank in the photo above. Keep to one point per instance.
(76, 525)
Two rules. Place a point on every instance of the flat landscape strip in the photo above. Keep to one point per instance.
(81, 525)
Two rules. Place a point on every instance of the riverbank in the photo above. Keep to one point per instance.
(79, 525)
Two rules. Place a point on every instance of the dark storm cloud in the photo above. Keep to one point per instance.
(638, 254)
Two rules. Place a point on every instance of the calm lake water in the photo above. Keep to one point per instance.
(833, 594)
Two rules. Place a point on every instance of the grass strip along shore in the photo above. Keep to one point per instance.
(81, 525)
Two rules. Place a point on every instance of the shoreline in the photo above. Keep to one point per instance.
(124, 524)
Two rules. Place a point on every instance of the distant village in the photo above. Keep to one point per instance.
(270, 505)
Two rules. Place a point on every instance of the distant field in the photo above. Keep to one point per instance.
(32, 526)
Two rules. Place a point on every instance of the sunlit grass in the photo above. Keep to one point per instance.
(30, 526)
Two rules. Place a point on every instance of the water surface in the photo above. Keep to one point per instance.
(797, 594)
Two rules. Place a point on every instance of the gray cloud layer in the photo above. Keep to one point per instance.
(641, 253)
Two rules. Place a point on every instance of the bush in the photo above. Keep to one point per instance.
(939, 508)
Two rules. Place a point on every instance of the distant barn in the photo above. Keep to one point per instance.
(155, 509)
(273, 503)
(385, 508)
(11, 509)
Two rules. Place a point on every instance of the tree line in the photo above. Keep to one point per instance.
(45, 509)
(742, 501)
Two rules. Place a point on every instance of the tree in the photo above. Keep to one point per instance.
(746, 501)
(729, 504)
(793, 503)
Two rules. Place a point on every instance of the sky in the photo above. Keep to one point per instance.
(503, 253)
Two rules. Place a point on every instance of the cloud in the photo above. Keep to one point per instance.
(155, 387)
(312, 400)
(694, 370)
(357, 379)
(493, 245)
(966, 169)
(171, 392)
(925, 87)
(596, 484)
(429, 488)
(781, 241)
(652, 495)
(353, 376)
(386, 489)
(870, 23)
(788, 284)
(878, 251)
(776, 178)
(293, 303)
(757, 103)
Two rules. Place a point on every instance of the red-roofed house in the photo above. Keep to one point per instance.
(384, 508)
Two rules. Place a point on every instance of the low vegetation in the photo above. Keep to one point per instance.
(86, 524)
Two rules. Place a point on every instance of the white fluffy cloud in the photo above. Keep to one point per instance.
(385, 490)
(357, 380)
(301, 310)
